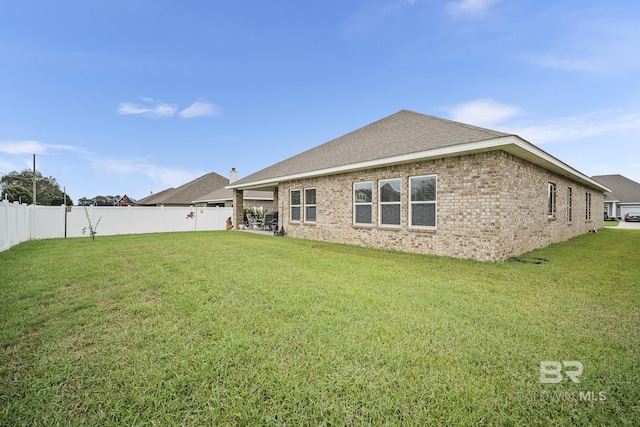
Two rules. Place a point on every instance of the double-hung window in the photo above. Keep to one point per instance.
(310, 205)
(362, 202)
(422, 202)
(551, 200)
(294, 204)
(389, 195)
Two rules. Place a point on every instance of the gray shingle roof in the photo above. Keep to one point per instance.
(401, 133)
(226, 194)
(157, 198)
(622, 188)
(187, 193)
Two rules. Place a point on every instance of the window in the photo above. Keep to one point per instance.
(422, 203)
(569, 204)
(551, 200)
(587, 207)
(294, 203)
(362, 202)
(310, 205)
(389, 194)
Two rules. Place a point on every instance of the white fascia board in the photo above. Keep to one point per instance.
(540, 157)
(511, 144)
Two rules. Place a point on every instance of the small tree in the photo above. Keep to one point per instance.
(93, 229)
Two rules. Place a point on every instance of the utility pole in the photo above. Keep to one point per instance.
(34, 179)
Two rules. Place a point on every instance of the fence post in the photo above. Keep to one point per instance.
(5, 231)
(32, 222)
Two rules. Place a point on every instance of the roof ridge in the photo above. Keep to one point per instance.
(402, 132)
(454, 122)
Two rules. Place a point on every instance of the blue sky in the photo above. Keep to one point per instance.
(137, 96)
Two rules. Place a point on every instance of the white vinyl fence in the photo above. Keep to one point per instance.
(19, 222)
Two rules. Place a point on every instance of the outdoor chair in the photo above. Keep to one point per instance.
(271, 221)
(253, 221)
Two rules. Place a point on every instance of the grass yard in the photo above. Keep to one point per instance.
(230, 328)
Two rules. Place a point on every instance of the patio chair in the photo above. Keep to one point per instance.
(253, 221)
(271, 221)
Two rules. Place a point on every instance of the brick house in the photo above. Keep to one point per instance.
(422, 184)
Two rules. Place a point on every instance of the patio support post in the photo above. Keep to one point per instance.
(275, 205)
(238, 208)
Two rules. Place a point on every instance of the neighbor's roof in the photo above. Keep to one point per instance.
(187, 193)
(623, 189)
(226, 194)
(399, 138)
(157, 198)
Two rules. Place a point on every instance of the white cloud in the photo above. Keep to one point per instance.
(492, 114)
(482, 112)
(22, 147)
(154, 109)
(165, 176)
(469, 7)
(151, 108)
(32, 147)
(578, 127)
(200, 109)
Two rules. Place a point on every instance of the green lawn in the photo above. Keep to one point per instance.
(230, 328)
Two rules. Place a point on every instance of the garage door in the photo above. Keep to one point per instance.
(629, 208)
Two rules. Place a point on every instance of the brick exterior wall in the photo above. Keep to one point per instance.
(490, 206)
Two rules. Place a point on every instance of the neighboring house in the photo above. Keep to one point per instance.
(187, 193)
(262, 200)
(252, 199)
(125, 201)
(422, 184)
(624, 196)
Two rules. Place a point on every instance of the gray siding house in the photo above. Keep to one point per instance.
(624, 196)
(418, 183)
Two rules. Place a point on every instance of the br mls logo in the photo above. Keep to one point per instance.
(552, 372)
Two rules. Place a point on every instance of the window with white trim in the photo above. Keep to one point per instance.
(294, 205)
(362, 202)
(422, 201)
(587, 207)
(310, 205)
(551, 200)
(389, 195)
